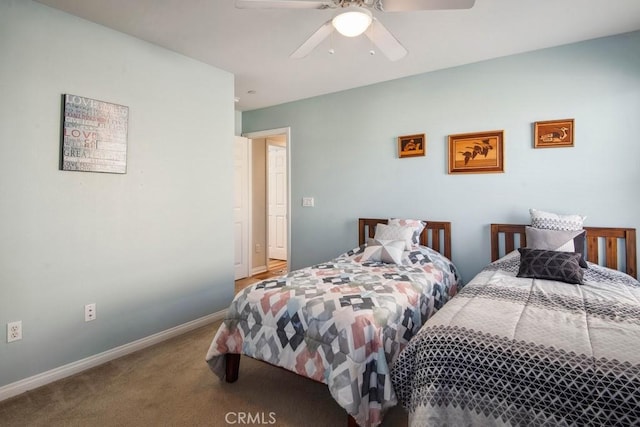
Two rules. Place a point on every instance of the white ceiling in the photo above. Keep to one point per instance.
(254, 44)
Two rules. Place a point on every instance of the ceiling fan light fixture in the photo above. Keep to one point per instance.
(353, 22)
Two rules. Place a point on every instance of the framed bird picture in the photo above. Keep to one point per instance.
(553, 133)
(480, 152)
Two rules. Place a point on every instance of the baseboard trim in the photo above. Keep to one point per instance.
(22, 386)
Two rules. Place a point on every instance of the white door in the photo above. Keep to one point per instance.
(241, 207)
(277, 201)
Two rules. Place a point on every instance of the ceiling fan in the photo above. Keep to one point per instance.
(355, 17)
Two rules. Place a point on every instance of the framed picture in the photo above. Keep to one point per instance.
(412, 145)
(94, 135)
(480, 152)
(553, 133)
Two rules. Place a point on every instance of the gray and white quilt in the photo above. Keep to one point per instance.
(511, 351)
(342, 323)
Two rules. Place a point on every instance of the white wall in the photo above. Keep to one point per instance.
(238, 122)
(344, 150)
(150, 247)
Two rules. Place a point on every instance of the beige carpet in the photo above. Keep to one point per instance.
(170, 384)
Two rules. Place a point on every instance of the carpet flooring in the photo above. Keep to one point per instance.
(170, 384)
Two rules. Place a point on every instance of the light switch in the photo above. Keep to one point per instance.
(308, 202)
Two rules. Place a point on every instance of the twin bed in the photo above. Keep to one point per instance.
(343, 322)
(505, 351)
(526, 351)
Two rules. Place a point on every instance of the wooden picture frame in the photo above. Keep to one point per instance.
(479, 152)
(553, 133)
(412, 145)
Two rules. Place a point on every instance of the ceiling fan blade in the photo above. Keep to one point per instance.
(313, 41)
(283, 4)
(385, 41)
(408, 5)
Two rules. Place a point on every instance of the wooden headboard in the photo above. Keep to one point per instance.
(594, 236)
(436, 235)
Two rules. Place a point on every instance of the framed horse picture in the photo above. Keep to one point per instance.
(412, 145)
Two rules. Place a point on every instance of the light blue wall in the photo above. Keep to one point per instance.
(150, 247)
(344, 153)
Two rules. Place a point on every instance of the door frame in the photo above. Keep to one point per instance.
(286, 132)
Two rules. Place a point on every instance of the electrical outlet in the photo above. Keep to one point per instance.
(90, 312)
(14, 331)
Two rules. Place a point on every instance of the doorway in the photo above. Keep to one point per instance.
(269, 239)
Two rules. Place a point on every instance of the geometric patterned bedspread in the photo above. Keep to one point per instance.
(526, 352)
(342, 323)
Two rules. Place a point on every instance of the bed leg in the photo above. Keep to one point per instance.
(233, 366)
(351, 422)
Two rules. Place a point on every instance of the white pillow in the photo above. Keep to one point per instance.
(557, 240)
(552, 221)
(395, 232)
(416, 224)
(389, 251)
